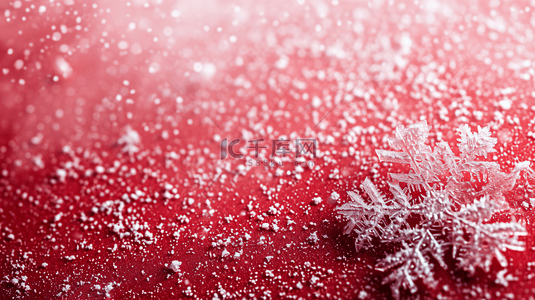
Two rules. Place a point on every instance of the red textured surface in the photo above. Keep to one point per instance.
(391, 63)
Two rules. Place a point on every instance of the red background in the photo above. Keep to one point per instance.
(372, 66)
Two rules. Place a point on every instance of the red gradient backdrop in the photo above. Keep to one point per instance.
(80, 218)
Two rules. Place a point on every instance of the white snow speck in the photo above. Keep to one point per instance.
(505, 104)
(316, 200)
(335, 196)
(175, 266)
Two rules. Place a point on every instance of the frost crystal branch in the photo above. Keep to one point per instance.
(129, 140)
(458, 197)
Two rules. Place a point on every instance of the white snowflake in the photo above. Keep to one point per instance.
(457, 197)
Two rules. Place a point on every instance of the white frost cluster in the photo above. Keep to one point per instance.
(129, 140)
(175, 266)
(446, 203)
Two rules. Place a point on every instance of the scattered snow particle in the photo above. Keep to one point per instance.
(165, 135)
(209, 70)
(197, 67)
(58, 217)
(154, 67)
(64, 48)
(175, 13)
(168, 31)
(61, 174)
(505, 104)
(63, 67)
(108, 288)
(335, 196)
(175, 266)
(313, 238)
(123, 45)
(59, 113)
(316, 200)
(316, 102)
(283, 62)
(19, 63)
(56, 36)
(183, 219)
(136, 49)
(129, 140)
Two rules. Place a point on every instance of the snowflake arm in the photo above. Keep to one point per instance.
(472, 144)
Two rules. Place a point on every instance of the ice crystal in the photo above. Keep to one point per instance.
(457, 197)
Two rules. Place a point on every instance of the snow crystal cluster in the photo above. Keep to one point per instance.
(175, 266)
(445, 202)
(129, 140)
